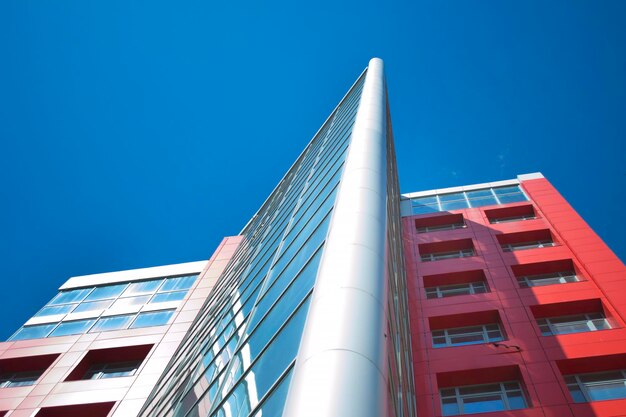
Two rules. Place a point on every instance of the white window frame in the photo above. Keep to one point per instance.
(503, 391)
(590, 319)
(437, 256)
(442, 291)
(576, 381)
(533, 244)
(479, 329)
(540, 280)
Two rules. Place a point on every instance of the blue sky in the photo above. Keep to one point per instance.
(139, 133)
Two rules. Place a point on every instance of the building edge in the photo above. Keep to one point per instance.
(344, 331)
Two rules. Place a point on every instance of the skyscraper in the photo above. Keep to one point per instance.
(340, 297)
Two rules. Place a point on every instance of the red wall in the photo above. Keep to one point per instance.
(116, 397)
(540, 356)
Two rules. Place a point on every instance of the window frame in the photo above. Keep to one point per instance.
(503, 391)
(98, 370)
(439, 256)
(17, 379)
(533, 244)
(574, 380)
(442, 291)
(547, 322)
(484, 332)
(563, 277)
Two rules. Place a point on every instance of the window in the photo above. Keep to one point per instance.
(455, 283)
(456, 289)
(70, 296)
(538, 274)
(112, 370)
(106, 292)
(547, 279)
(112, 323)
(110, 363)
(470, 335)
(597, 386)
(463, 253)
(511, 247)
(24, 371)
(451, 249)
(467, 199)
(438, 223)
(33, 332)
(511, 242)
(180, 283)
(54, 310)
(589, 322)
(482, 398)
(19, 379)
(153, 318)
(511, 214)
(72, 327)
(122, 298)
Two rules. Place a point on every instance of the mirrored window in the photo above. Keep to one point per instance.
(33, 332)
(180, 283)
(70, 296)
(108, 291)
(153, 318)
(72, 327)
(112, 323)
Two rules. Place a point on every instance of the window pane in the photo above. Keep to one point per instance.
(449, 407)
(168, 296)
(425, 209)
(424, 201)
(53, 310)
(131, 301)
(507, 190)
(454, 205)
(117, 370)
(516, 400)
(483, 404)
(607, 390)
(144, 287)
(112, 323)
(480, 202)
(109, 291)
(71, 296)
(72, 327)
(451, 197)
(33, 332)
(181, 283)
(479, 194)
(94, 305)
(511, 198)
(156, 318)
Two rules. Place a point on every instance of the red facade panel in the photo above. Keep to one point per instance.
(541, 363)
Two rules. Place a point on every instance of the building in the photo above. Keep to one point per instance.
(341, 297)
(516, 304)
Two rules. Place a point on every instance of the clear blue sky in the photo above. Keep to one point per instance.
(138, 133)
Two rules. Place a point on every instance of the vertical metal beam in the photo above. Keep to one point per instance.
(341, 368)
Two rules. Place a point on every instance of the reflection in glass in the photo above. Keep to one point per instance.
(112, 323)
(153, 318)
(72, 327)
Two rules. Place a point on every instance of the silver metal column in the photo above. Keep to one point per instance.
(341, 368)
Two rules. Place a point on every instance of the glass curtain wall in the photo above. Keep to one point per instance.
(401, 381)
(237, 358)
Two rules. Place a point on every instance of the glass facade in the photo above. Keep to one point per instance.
(468, 199)
(106, 303)
(238, 357)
